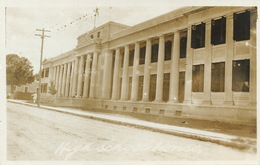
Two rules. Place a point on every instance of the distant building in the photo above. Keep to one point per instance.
(195, 62)
(23, 91)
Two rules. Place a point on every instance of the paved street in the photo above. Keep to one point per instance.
(39, 134)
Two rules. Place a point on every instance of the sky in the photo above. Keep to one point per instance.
(22, 22)
(22, 18)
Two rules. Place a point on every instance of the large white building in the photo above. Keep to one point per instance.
(197, 62)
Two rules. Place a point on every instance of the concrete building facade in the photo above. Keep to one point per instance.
(197, 62)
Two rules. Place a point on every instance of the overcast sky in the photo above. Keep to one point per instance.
(24, 17)
(22, 22)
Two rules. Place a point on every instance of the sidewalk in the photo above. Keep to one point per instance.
(235, 141)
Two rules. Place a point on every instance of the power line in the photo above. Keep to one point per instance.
(40, 72)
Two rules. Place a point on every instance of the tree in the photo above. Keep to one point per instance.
(52, 89)
(19, 70)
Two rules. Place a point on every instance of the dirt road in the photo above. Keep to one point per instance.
(39, 134)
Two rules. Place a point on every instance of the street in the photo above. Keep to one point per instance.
(39, 134)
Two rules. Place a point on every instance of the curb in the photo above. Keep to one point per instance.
(218, 138)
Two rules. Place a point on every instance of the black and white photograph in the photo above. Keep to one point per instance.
(129, 82)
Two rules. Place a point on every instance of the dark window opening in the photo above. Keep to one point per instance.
(98, 34)
(142, 55)
(241, 26)
(42, 74)
(241, 76)
(198, 36)
(152, 91)
(218, 31)
(218, 77)
(91, 36)
(47, 72)
(168, 50)
(131, 57)
(198, 78)
(183, 47)
(166, 86)
(122, 58)
(154, 57)
(129, 87)
(140, 88)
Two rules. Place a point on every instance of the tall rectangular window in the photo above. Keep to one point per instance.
(154, 56)
(122, 58)
(142, 55)
(47, 72)
(218, 77)
(42, 73)
(241, 26)
(241, 75)
(131, 57)
(166, 86)
(198, 78)
(218, 31)
(140, 88)
(198, 36)
(168, 50)
(183, 44)
(152, 91)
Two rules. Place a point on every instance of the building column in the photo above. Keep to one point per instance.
(71, 78)
(125, 79)
(207, 68)
(229, 61)
(67, 80)
(160, 73)
(146, 86)
(75, 76)
(54, 75)
(57, 79)
(60, 81)
(135, 78)
(93, 76)
(80, 76)
(174, 79)
(188, 71)
(115, 91)
(253, 61)
(107, 76)
(64, 80)
(86, 77)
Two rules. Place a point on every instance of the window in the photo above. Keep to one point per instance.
(241, 75)
(142, 55)
(42, 73)
(218, 31)
(183, 44)
(140, 88)
(218, 77)
(152, 91)
(122, 58)
(166, 86)
(91, 36)
(168, 50)
(131, 57)
(98, 34)
(47, 72)
(198, 78)
(198, 36)
(25, 89)
(241, 26)
(154, 57)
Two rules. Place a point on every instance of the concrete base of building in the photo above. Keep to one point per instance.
(225, 113)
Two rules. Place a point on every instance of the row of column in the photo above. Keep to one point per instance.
(71, 80)
(174, 80)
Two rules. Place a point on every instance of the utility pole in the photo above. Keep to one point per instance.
(40, 72)
(95, 15)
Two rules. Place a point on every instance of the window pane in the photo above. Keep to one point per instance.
(154, 57)
(218, 77)
(198, 78)
(152, 87)
(168, 50)
(142, 55)
(183, 44)
(198, 36)
(166, 86)
(140, 88)
(131, 57)
(241, 26)
(241, 76)
(218, 31)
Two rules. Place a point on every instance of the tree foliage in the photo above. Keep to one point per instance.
(52, 89)
(19, 70)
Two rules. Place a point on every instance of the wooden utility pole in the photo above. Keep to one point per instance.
(40, 72)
